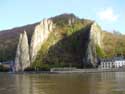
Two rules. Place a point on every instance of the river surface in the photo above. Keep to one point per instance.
(87, 83)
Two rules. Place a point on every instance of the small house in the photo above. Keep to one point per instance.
(115, 62)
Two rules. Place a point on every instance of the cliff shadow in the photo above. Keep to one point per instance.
(69, 51)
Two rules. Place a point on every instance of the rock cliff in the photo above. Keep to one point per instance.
(73, 42)
(40, 35)
(94, 41)
(22, 59)
(96, 34)
(17, 58)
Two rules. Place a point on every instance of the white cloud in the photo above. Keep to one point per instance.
(108, 15)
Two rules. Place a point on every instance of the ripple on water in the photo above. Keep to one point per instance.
(88, 83)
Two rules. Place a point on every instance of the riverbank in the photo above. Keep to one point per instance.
(69, 70)
(55, 70)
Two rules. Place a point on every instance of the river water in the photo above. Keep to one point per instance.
(85, 83)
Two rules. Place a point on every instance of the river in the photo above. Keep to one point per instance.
(87, 83)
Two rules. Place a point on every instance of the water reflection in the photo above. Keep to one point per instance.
(23, 84)
(87, 83)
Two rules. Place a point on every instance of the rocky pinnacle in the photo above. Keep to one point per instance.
(40, 35)
(22, 59)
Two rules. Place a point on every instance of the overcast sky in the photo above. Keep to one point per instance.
(110, 14)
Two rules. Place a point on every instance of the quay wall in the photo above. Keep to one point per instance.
(74, 70)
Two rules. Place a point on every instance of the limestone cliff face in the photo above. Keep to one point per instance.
(40, 34)
(96, 34)
(23, 56)
(22, 59)
(17, 58)
(94, 40)
(26, 55)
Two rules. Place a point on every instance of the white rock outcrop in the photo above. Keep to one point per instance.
(40, 35)
(96, 34)
(94, 39)
(22, 59)
(18, 65)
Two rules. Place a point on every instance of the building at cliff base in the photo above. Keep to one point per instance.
(115, 62)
